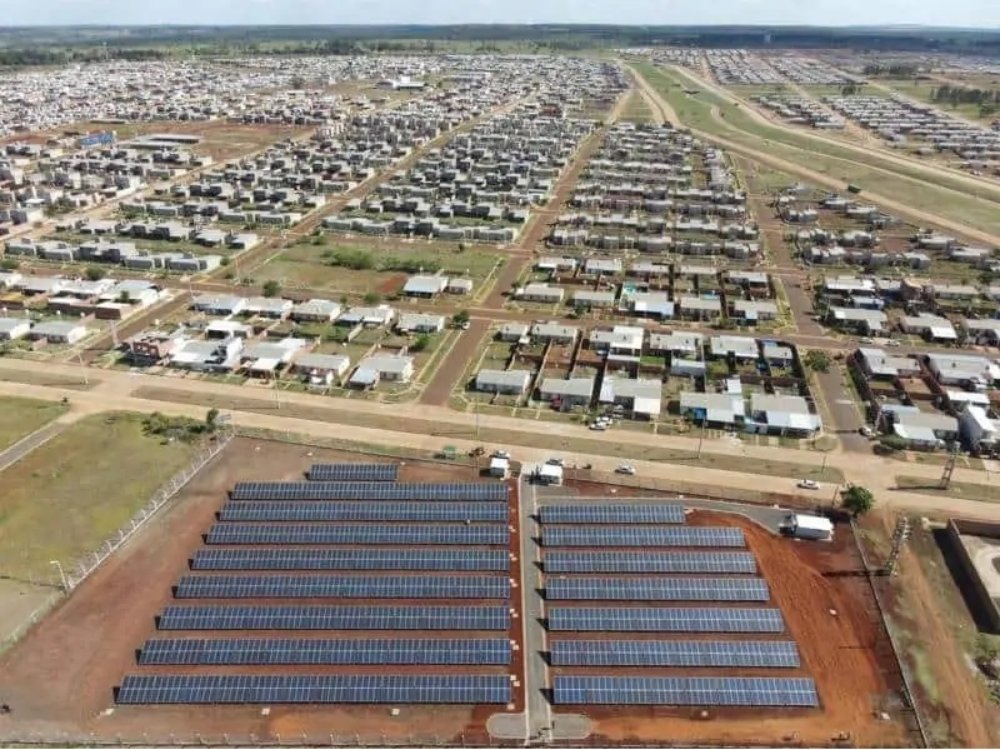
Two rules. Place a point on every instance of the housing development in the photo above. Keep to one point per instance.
(500, 394)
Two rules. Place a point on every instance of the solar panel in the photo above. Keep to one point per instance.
(641, 536)
(659, 589)
(272, 689)
(257, 651)
(675, 654)
(351, 559)
(477, 491)
(454, 534)
(334, 618)
(583, 561)
(785, 692)
(319, 510)
(667, 619)
(354, 472)
(344, 587)
(663, 513)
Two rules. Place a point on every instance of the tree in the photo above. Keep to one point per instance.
(212, 419)
(460, 318)
(271, 288)
(859, 500)
(422, 342)
(373, 298)
(9, 264)
(94, 273)
(817, 360)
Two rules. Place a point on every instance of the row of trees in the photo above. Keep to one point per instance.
(988, 100)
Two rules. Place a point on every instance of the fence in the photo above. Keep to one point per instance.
(904, 670)
(205, 454)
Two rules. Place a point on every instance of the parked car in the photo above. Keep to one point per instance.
(556, 461)
(893, 342)
(808, 484)
(625, 469)
(599, 426)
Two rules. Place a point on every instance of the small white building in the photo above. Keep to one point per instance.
(499, 467)
(803, 526)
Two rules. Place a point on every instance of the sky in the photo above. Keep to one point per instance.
(965, 13)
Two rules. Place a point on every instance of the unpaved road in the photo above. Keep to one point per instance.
(920, 217)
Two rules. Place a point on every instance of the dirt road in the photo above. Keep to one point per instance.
(818, 178)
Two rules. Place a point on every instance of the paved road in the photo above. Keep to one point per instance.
(847, 419)
(25, 445)
(445, 380)
(537, 708)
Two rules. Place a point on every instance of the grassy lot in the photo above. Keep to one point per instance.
(500, 437)
(304, 265)
(964, 490)
(943, 195)
(636, 109)
(22, 416)
(66, 498)
(923, 91)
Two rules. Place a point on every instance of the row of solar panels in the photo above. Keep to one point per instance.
(612, 514)
(586, 561)
(466, 689)
(689, 589)
(289, 651)
(352, 559)
(345, 617)
(344, 587)
(457, 651)
(642, 536)
(666, 619)
(354, 472)
(478, 491)
(320, 510)
(431, 534)
(219, 689)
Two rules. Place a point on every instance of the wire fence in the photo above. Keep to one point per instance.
(904, 670)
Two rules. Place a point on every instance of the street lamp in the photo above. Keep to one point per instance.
(62, 574)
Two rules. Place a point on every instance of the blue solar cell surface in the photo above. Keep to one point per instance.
(334, 618)
(351, 559)
(279, 651)
(453, 534)
(354, 472)
(667, 619)
(659, 589)
(739, 654)
(585, 561)
(642, 536)
(347, 587)
(604, 514)
(272, 689)
(484, 491)
(319, 510)
(785, 692)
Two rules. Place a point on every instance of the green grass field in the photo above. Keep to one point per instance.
(22, 416)
(943, 195)
(64, 499)
(636, 109)
(924, 90)
(964, 490)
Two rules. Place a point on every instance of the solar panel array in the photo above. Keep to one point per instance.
(288, 651)
(667, 619)
(604, 514)
(591, 588)
(354, 472)
(271, 689)
(641, 536)
(335, 618)
(319, 510)
(365, 556)
(482, 491)
(742, 654)
(455, 534)
(659, 589)
(344, 587)
(777, 692)
(351, 559)
(585, 561)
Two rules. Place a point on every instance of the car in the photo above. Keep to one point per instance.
(808, 484)
(499, 454)
(893, 342)
(465, 326)
(599, 426)
(625, 469)
(866, 431)
(556, 461)
(867, 340)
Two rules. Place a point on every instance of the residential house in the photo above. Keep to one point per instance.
(420, 323)
(566, 393)
(640, 397)
(315, 311)
(425, 286)
(553, 332)
(321, 369)
(14, 328)
(378, 367)
(59, 332)
(369, 317)
(725, 410)
(700, 308)
(537, 292)
(783, 415)
(509, 382)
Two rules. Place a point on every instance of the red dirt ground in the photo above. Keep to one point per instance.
(843, 653)
(59, 680)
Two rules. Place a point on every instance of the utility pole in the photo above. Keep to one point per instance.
(86, 379)
(899, 537)
(949, 469)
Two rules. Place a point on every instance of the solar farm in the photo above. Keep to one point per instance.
(328, 555)
(286, 598)
(595, 654)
